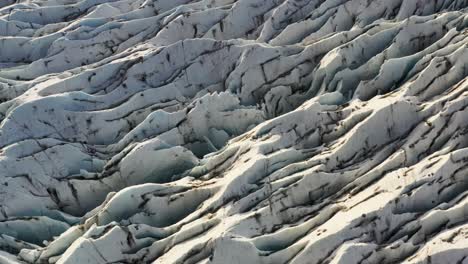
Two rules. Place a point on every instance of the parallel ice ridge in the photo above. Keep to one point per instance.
(234, 131)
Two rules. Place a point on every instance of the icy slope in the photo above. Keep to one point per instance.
(224, 131)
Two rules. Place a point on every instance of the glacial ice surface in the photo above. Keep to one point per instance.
(234, 131)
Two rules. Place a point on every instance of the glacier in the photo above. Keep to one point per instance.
(234, 131)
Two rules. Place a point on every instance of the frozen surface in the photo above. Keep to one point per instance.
(234, 131)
